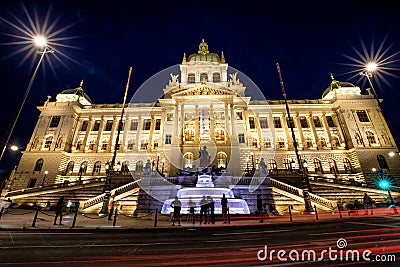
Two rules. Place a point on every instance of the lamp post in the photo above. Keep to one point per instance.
(40, 42)
(158, 160)
(368, 70)
(44, 177)
(81, 169)
(252, 163)
(162, 169)
(307, 186)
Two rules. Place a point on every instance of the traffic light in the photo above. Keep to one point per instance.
(384, 184)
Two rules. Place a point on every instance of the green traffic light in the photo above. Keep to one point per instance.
(383, 184)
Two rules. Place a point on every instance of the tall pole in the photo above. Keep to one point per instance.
(15, 119)
(120, 120)
(110, 169)
(307, 201)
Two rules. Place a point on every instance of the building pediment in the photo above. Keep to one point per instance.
(204, 90)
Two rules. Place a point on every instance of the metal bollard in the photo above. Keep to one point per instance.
(316, 212)
(155, 218)
(1, 212)
(34, 218)
(115, 216)
(340, 212)
(290, 213)
(75, 215)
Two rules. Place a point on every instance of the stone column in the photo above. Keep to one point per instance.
(234, 137)
(152, 127)
(99, 133)
(326, 127)
(182, 123)
(139, 130)
(227, 118)
(89, 127)
(299, 128)
(78, 128)
(212, 122)
(311, 123)
(176, 127)
(288, 132)
(197, 125)
(112, 133)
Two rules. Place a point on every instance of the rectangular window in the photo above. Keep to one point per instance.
(170, 117)
(263, 123)
(330, 121)
(303, 122)
(191, 78)
(55, 121)
(109, 125)
(277, 122)
(96, 126)
(168, 138)
(241, 138)
(290, 123)
(84, 125)
(317, 122)
(362, 116)
(158, 124)
(252, 123)
(134, 125)
(146, 124)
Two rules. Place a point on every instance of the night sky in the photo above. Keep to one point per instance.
(98, 42)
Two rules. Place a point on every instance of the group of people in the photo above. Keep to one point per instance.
(207, 210)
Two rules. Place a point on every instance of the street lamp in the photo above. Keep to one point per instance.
(81, 169)
(162, 169)
(252, 162)
(41, 43)
(44, 177)
(369, 69)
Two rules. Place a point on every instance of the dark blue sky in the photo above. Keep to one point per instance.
(308, 38)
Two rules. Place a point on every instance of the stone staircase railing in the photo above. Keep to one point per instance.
(299, 192)
(117, 193)
(42, 189)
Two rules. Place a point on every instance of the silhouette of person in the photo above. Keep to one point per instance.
(203, 210)
(262, 167)
(211, 208)
(58, 210)
(177, 205)
(192, 205)
(367, 203)
(224, 206)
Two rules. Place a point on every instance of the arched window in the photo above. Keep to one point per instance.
(318, 166)
(216, 77)
(334, 141)
(280, 142)
(308, 142)
(272, 165)
(221, 160)
(83, 168)
(382, 162)
(92, 145)
(70, 168)
(96, 167)
(332, 166)
(189, 157)
(79, 145)
(347, 166)
(104, 145)
(191, 78)
(38, 165)
(267, 142)
(48, 141)
(370, 137)
(131, 143)
(322, 141)
(139, 166)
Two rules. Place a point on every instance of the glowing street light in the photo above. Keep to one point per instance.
(40, 42)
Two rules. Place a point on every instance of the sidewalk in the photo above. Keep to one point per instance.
(20, 219)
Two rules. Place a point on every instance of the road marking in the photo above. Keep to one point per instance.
(254, 232)
(373, 224)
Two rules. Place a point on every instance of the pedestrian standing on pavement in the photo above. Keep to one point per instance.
(224, 206)
(59, 209)
(177, 205)
(211, 207)
(367, 204)
(192, 205)
(203, 210)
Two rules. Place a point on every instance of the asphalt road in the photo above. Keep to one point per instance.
(361, 243)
